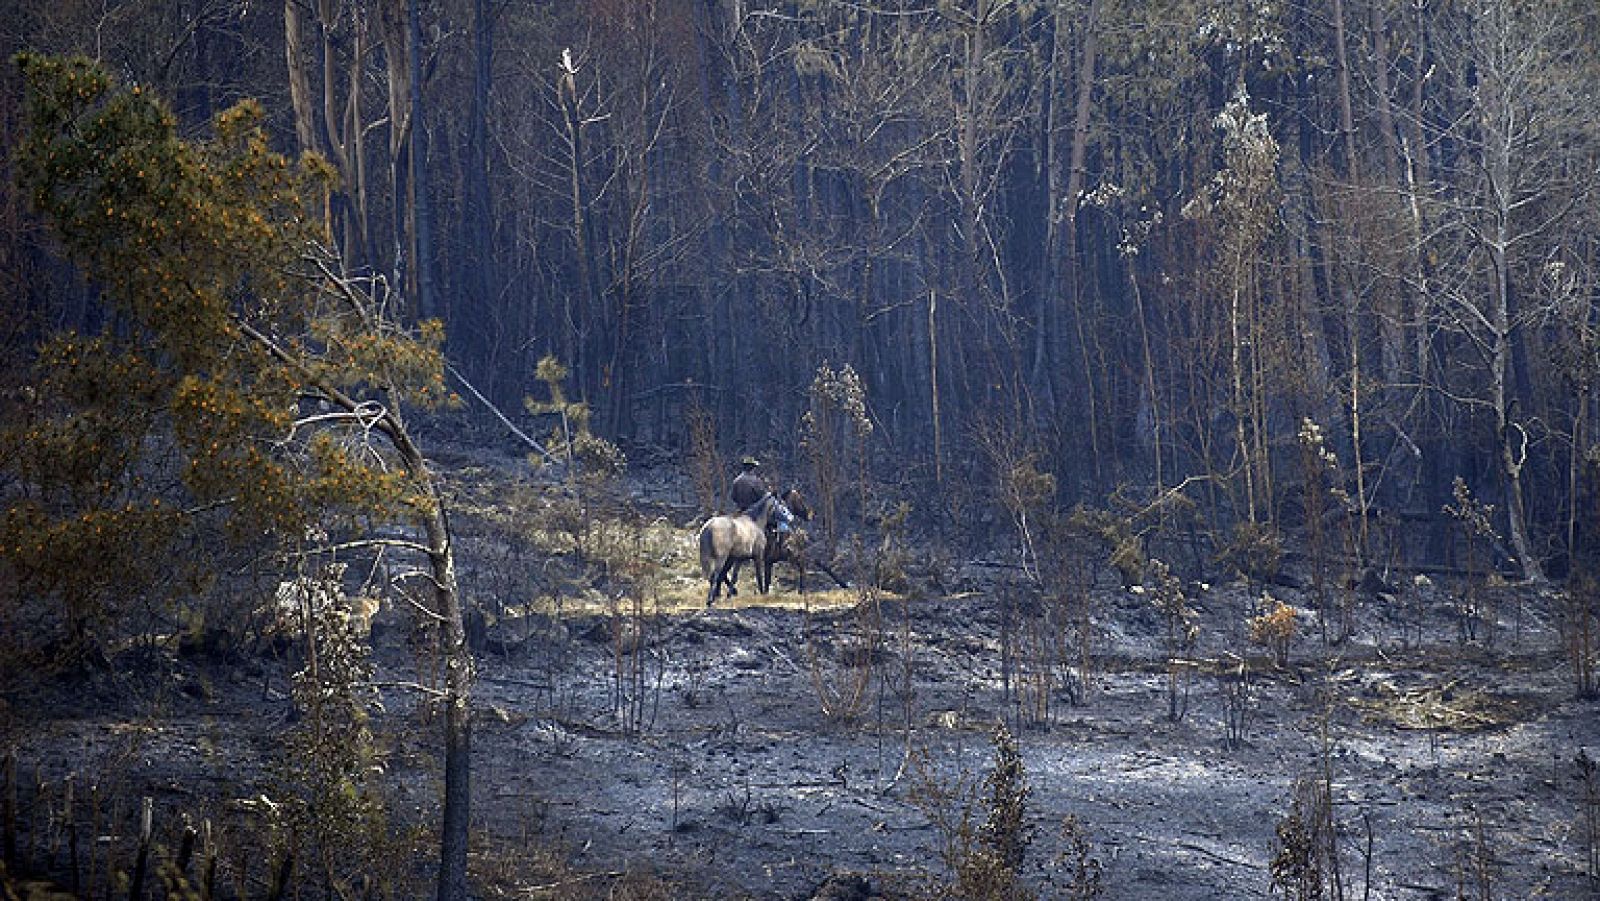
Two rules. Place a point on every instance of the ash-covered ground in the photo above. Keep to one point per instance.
(739, 779)
(757, 749)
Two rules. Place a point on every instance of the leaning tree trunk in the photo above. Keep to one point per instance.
(453, 831)
(452, 885)
(1513, 438)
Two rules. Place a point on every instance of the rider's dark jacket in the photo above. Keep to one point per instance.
(747, 489)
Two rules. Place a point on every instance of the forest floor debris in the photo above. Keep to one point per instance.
(695, 744)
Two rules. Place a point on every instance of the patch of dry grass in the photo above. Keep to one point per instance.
(691, 598)
(1450, 707)
(654, 556)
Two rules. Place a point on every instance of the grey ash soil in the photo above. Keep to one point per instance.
(741, 782)
(739, 785)
(738, 781)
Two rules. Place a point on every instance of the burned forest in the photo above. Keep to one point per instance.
(826, 450)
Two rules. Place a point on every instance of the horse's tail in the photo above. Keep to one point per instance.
(708, 551)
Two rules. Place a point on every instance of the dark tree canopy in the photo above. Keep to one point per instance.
(1149, 239)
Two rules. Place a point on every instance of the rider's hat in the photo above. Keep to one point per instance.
(749, 461)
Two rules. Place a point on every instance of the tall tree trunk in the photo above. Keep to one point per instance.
(394, 22)
(482, 276)
(1514, 440)
(971, 211)
(358, 237)
(458, 692)
(453, 830)
(1347, 125)
(1497, 116)
(1380, 80)
(421, 209)
(299, 66)
(1044, 376)
(335, 151)
(1352, 309)
(1392, 303)
(324, 125)
(578, 317)
(933, 386)
(448, 608)
(1072, 282)
(1241, 414)
(1149, 369)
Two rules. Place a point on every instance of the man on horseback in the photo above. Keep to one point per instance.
(747, 490)
(748, 487)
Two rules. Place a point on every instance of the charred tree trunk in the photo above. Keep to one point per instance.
(482, 274)
(1071, 278)
(421, 210)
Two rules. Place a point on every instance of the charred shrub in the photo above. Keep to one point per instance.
(1255, 551)
(1274, 629)
(1305, 853)
(983, 828)
(1081, 870)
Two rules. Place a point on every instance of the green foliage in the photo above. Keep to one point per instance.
(570, 438)
(205, 398)
(1116, 533)
(1255, 550)
(592, 464)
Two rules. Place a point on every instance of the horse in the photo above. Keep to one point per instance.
(791, 506)
(725, 541)
(783, 545)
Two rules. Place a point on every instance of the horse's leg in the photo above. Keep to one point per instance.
(733, 567)
(722, 578)
(716, 581)
(778, 550)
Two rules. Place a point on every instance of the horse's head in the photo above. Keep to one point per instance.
(797, 505)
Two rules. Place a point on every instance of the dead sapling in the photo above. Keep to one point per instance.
(1589, 813)
(1081, 871)
(983, 827)
(1475, 519)
(1178, 635)
(1233, 685)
